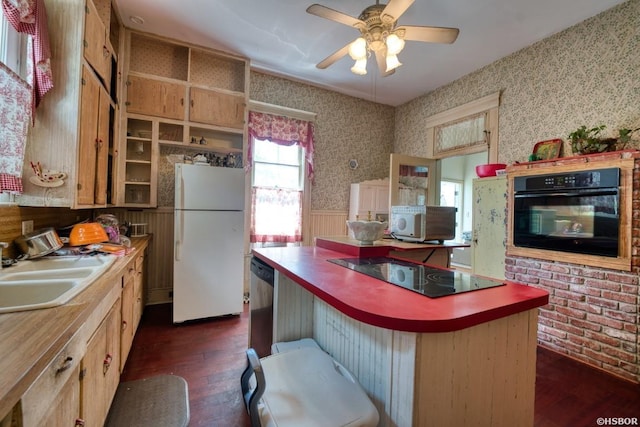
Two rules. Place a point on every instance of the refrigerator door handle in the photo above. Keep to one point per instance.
(179, 235)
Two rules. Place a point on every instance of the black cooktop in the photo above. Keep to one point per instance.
(423, 279)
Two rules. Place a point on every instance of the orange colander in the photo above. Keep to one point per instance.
(87, 234)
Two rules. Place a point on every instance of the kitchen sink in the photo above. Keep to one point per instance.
(48, 282)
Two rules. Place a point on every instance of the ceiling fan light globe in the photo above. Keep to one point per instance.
(360, 67)
(358, 49)
(394, 44)
(392, 62)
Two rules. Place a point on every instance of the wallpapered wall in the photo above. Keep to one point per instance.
(588, 74)
(346, 128)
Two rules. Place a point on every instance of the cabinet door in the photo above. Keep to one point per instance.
(367, 199)
(66, 407)
(93, 149)
(155, 98)
(489, 226)
(138, 292)
(100, 370)
(216, 108)
(95, 49)
(127, 330)
(90, 105)
(381, 200)
(102, 148)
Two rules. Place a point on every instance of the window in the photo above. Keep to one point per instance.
(277, 166)
(13, 48)
(276, 193)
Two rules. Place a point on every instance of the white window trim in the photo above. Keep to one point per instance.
(13, 48)
(488, 104)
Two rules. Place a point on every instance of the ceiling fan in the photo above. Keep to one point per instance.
(380, 34)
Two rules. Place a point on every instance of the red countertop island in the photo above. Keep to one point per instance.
(462, 359)
(382, 304)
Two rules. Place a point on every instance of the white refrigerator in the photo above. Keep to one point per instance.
(208, 261)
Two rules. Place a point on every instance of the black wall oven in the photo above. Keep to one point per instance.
(577, 212)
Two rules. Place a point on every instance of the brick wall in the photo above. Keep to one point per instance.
(593, 314)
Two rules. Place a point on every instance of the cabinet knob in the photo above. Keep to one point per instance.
(124, 325)
(79, 422)
(106, 363)
(105, 52)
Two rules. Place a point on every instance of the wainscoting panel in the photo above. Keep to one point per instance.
(160, 251)
(326, 223)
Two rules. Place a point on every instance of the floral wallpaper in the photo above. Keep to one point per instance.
(587, 74)
(346, 128)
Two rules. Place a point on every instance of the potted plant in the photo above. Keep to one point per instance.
(590, 141)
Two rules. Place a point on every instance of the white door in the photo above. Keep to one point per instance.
(208, 264)
(489, 226)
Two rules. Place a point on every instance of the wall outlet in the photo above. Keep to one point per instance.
(27, 226)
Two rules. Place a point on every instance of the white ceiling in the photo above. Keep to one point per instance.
(279, 37)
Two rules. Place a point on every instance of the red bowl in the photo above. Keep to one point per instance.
(489, 169)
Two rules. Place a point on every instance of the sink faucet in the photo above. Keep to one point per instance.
(2, 246)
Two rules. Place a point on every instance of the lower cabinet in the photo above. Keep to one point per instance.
(53, 399)
(100, 372)
(132, 305)
(127, 329)
(78, 385)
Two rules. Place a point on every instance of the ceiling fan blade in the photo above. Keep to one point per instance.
(381, 59)
(428, 34)
(329, 60)
(394, 9)
(334, 15)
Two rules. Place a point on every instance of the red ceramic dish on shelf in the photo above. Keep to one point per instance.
(489, 169)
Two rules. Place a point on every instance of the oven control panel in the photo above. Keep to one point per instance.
(597, 178)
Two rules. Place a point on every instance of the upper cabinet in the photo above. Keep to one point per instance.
(177, 95)
(75, 123)
(96, 42)
(155, 97)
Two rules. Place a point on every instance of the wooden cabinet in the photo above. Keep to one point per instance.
(127, 326)
(132, 305)
(155, 97)
(95, 43)
(100, 369)
(177, 95)
(65, 361)
(216, 108)
(138, 290)
(75, 122)
(369, 198)
(139, 168)
(94, 142)
(41, 403)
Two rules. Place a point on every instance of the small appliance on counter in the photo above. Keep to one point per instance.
(419, 223)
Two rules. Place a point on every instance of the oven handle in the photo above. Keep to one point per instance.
(585, 192)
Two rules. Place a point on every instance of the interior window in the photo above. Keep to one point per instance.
(276, 194)
(13, 48)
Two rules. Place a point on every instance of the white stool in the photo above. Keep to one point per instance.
(304, 387)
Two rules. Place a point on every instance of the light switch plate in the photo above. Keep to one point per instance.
(27, 226)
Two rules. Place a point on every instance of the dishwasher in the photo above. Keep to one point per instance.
(261, 307)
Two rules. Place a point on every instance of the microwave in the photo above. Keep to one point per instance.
(421, 223)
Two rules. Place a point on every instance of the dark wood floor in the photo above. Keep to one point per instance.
(210, 356)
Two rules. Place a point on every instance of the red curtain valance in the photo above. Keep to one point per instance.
(284, 131)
